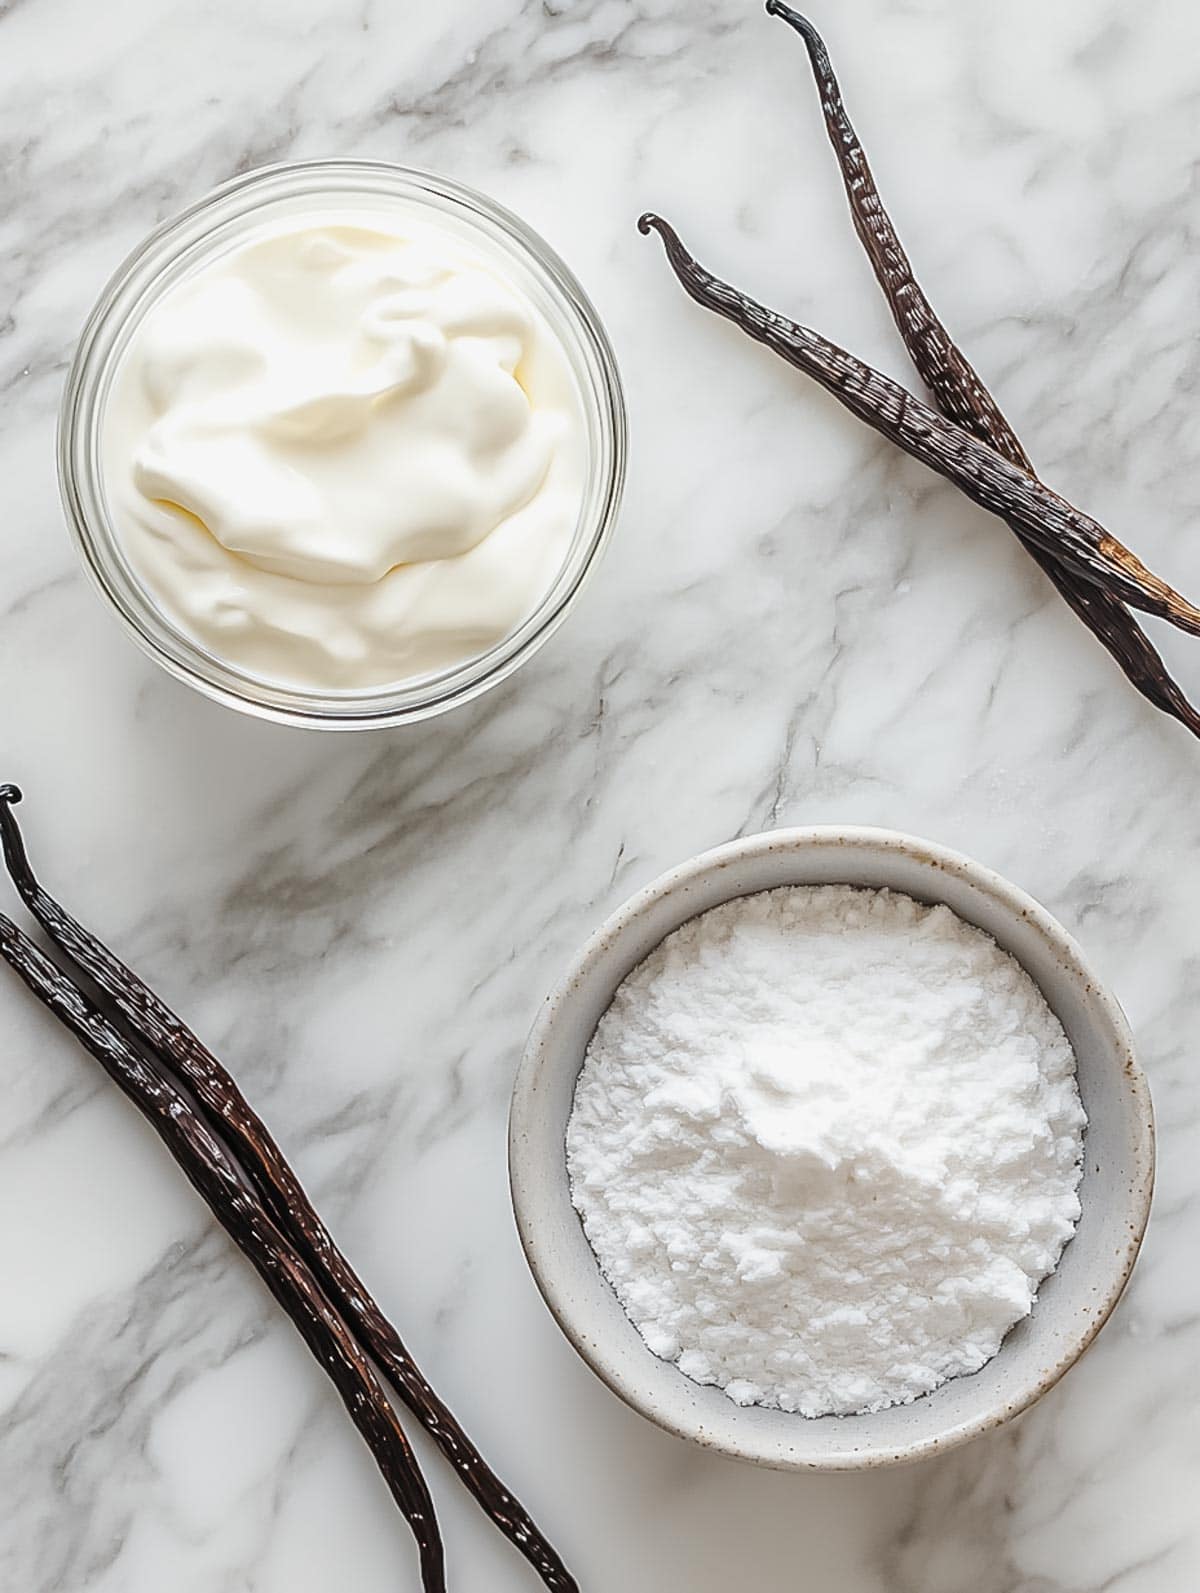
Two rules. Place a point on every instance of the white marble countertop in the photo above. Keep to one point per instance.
(793, 624)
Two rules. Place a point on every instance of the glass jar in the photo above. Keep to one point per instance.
(220, 222)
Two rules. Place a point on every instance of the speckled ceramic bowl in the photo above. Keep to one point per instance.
(1072, 1305)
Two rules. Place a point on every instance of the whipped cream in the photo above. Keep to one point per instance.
(347, 452)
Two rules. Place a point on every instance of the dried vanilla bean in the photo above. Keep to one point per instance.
(215, 1176)
(170, 1040)
(980, 473)
(959, 391)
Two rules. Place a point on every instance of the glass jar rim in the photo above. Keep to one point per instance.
(170, 251)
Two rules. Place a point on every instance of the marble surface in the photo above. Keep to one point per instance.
(793, 624)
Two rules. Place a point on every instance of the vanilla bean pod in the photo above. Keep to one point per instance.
(207, 1164)
(957, 388)
(980, 473)
(165, 1034)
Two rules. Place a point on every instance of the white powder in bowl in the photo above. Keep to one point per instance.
(825, 1144)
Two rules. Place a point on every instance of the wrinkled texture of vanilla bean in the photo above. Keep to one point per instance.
(169, 1038)
(215, 1176)
(959, 391)
(979, 472)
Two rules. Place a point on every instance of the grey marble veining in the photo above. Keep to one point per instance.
(794, 624)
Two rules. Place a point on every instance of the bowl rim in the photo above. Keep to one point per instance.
(535, 1060)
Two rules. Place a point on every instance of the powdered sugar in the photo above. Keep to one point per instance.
(826, 1144)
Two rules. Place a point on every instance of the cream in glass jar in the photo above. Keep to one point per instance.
(342, 443)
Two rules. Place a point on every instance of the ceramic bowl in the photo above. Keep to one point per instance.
(1072, 1304)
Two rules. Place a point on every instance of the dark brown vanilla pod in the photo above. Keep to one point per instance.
(944, 368)
(229, 1114)
(1116, 629)
(215, 1176)
(957, 388)
(977, 470)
